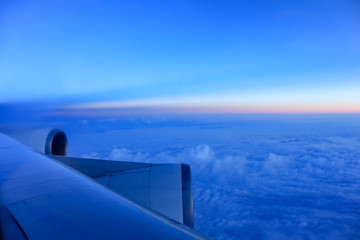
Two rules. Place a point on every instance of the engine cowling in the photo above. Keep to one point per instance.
(48, 141)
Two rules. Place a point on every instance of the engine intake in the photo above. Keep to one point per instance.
(56, 143)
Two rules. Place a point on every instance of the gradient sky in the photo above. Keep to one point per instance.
(200, 52)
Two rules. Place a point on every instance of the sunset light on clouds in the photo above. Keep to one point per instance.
(340, 100)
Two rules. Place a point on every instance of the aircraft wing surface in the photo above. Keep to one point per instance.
(42, 198)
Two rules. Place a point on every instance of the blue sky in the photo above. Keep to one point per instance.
(91, 51)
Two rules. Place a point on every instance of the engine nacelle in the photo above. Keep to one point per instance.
(48, 141)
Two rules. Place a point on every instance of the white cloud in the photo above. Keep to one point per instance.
(293, 186)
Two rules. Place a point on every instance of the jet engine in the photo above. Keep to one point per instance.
(48, 141)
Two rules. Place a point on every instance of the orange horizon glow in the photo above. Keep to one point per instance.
(138, 108)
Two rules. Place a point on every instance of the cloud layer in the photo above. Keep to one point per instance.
(274, 185)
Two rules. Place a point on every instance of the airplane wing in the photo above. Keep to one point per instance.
(69, 198)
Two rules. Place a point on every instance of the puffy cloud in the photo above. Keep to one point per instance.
(93, 155)
(124, 154)
(264, 186)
